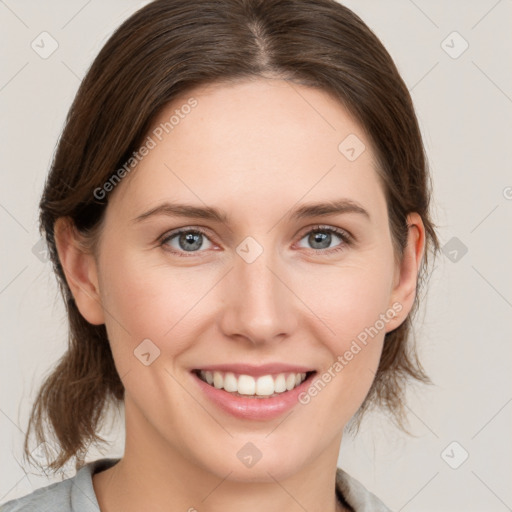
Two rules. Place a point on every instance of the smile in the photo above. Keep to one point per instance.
(253, 392)
(264, 386)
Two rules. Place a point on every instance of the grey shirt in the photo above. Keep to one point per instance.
(76, 494)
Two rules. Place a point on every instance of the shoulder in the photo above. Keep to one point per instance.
(73, 494)
(356, 495)
(56, 496)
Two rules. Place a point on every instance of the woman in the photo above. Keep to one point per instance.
(238, 216)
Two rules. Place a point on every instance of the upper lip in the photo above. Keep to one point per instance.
(256, 370)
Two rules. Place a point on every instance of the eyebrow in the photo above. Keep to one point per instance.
(319, 209)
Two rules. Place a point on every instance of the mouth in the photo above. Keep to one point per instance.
(254, 393)
(253, 386)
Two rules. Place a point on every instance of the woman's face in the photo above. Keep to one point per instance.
(252, 291)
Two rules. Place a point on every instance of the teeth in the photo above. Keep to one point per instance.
(230, 382)
(246, 385)
(218, 381)
(280, 383)
(290, 381)
(263, 386)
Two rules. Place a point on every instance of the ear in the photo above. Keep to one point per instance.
(80, 270)
(406, 273)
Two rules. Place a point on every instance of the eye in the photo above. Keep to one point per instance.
(186, 240)
(321, 238)
(195, 240)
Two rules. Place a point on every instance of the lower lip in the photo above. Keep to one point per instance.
(253, 408)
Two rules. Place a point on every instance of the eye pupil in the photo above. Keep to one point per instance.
(320, 238)
(190, 241)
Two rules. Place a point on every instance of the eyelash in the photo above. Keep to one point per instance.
(342, 234)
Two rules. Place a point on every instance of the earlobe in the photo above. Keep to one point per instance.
(80, 270)
(404, 291)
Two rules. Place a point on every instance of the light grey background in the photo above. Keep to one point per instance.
(465, 109)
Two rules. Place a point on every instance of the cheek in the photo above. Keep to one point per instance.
(353, 301)
(349, 298)
(354, 305)
(148, 301)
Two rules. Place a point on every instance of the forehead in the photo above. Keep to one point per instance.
(253, 143)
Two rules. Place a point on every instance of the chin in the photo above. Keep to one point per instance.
(257, 461)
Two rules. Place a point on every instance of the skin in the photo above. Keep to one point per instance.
(257, 150)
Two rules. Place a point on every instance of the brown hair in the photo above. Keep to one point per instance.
(164, 50)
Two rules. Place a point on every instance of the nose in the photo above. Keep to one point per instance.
(259, 304)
